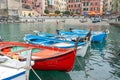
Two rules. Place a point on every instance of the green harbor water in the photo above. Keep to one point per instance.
(102, 61)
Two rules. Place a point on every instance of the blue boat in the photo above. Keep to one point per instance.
(97, 36)
(40, 40)
(52, 41)
(62, 35)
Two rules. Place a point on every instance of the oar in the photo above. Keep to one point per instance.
(77, 41)
(58, 31)
(89, 34)
(28, 64)
(59, 35)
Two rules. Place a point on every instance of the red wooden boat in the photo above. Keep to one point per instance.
(46, 58)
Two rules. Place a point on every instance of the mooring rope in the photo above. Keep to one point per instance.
(81, 66)
(36, 74)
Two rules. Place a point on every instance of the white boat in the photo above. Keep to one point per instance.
(81, 51)
(13, 69)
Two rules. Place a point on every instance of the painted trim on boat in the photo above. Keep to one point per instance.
(14, 76)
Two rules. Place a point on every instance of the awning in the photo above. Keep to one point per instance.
(91, 13)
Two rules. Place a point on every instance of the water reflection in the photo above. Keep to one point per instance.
(98, 64)
(98, 46)
(50, 75)
(115, 59)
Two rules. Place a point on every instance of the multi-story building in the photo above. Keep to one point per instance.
(63, 6)
(39, 6)
(119, 7)
(108, 6)
(84, 6)
(75, 6)
(101, 7)
(56, 5)
(60, 5)
(3, 8)
(95, 5)
(14, 8)
(51, 4)
(46, 4)
(87, 6)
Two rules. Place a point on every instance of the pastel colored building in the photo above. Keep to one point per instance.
(119, 6)
(51, 4)
(14, 8)
(63, 4)
(75, 6)
(95, 5)
(3, 8)
(83, 7)
(108, 6)
(101, 7)
(38, 5)
(86, 6)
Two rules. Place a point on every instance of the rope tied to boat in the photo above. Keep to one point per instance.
(36, 74)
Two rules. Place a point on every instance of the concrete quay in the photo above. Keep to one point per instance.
(59, 19)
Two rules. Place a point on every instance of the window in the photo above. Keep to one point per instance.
(69, 5)
(69, 1)
(83, 3)
(75, 5)
(78, 5)
(91, 4)
(91, 9)
(87, 3)
(96, 3)
(85, 9)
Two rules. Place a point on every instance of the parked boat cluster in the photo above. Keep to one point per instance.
(44, 51)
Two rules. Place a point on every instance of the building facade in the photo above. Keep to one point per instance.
(75, 6)
(95, 5)
(14, 8)
(83, 7)
(3, 8)
(63, 6)
(87, 6)
(119, 7)
(108, 6)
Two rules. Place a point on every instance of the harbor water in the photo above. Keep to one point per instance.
(102, 61)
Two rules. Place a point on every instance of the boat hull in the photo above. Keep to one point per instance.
(82, 50)
(18, 76)
(61, 63)
(11, 69)
(99, 37)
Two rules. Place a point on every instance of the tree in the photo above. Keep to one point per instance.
(57, 12)
(46, 11)
(29, 14)
(66, 13)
